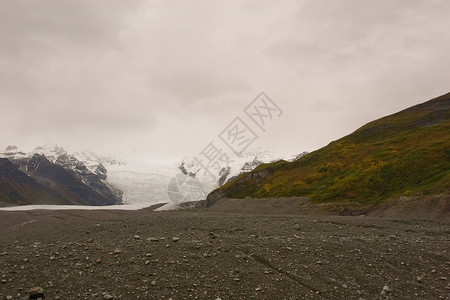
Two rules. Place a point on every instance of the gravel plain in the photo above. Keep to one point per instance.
(203, 255)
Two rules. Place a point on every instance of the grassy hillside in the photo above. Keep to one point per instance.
(407, 153)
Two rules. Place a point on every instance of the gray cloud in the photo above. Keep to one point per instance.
(160, 79)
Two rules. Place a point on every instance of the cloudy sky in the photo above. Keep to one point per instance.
(156, 80)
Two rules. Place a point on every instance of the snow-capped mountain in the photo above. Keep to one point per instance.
(94, 163)
(50, 175)
(213, 177)
(141, 183)
(88, 167)
(13, 152)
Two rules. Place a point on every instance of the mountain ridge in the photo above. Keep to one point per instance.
(405, 153)
(53, 178)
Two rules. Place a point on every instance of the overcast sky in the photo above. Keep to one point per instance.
(156, 80)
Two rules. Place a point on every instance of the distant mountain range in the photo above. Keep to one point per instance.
(49, 175)
(404, 154)
(237, 165)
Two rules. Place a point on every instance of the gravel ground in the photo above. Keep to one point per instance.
(193, 255)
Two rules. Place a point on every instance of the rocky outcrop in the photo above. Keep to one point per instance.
(252, 180)
(39, 181)
(73, 181)
(81, 182)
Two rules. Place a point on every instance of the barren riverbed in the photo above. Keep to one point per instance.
(202, 255)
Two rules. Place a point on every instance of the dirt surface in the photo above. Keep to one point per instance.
(435, 207)
(206, 255)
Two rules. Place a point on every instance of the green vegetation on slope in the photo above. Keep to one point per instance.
(407, 153)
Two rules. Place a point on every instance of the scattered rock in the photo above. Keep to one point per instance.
(175, 239)
(385, 290)
(36, 292)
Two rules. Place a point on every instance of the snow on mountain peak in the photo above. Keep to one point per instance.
(12, 152)
(51, 151)
(236, 165)
(10, 149)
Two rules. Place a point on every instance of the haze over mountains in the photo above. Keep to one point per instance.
(403, 154)
(51, 175)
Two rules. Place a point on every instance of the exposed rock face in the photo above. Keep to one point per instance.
(81, 168)
(79, 181)
(37, 180)
(253, 179)
(223, 175)
(16, 187)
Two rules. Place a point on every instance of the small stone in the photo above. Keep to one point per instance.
(98, 260)
(175, 239)
(443, 278)
(137, 237)
(36, 292)
(153, 283)
(9, 297)
(297, 227)
(108, 297)
(3, 253)
(147, 262)
(385, 290)
(153, 239)
(3, 280)
(117, 251)
(91, 240)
